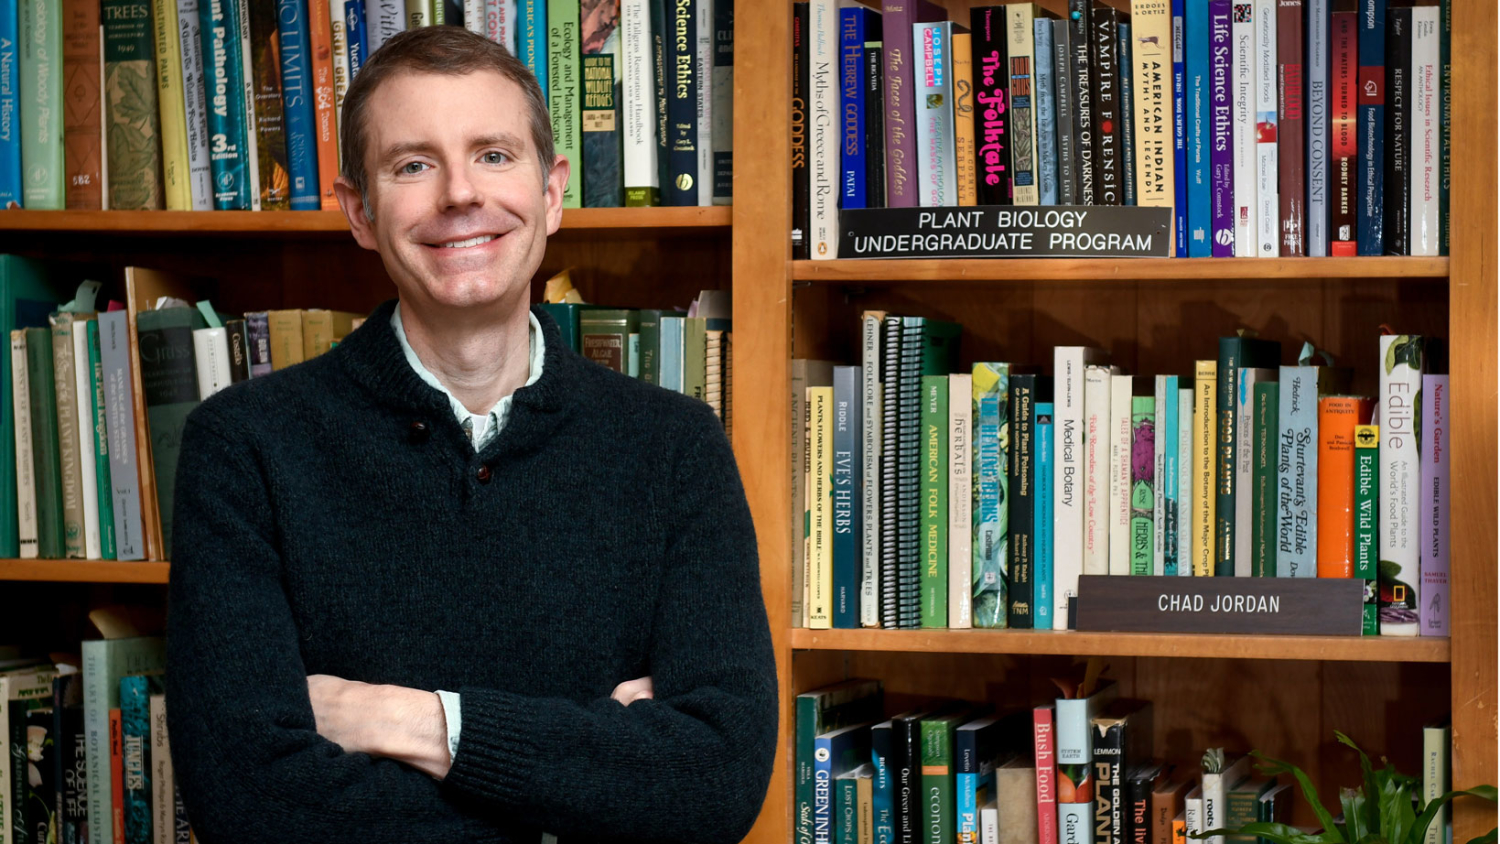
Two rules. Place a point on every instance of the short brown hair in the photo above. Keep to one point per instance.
(447, 50)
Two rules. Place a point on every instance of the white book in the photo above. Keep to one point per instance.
(83, 398)
(1425, 105)
(1119, 473)
(211, 350)
(638, 95)
(247, 75)
(500, 23)
(195, 103)
(1267, 188)
(704, 61)
(1215, 786)
(989, 823)
(1242, 60)
(1316, 102)
(340, 45)
(1075, 823)
(20, 382)
(1437, 738)
(1244, 465)
(1185, 481)
(1399, 400)
(163, 798)
(1159, 461)
(1097, 395)
(1192, 811)
(384, 18)
(823, 128)
(960, 502)
(475, 19)
(1068, 439)
(873, 394)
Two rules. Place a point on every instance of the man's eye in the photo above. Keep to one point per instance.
(494, 158)
(411, 168)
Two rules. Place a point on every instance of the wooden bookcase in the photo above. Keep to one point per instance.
(1283, 695)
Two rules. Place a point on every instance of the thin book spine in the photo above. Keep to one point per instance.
(297, 104)
(965, 156)
(1398, 115)
(960, 501)
(1267, 181)
(1291, 162)
(25, 461)
(1179, 125)
(1243, 79)
(222, 74)
(1318, 107)
(10, 107)
(1423, 211)
(1046, 112)
(873, 417)
(1434, 516)
(1223, 202)
(1104, 33)
(991, 106)
(1021, 51)
(1370, 178)
(1080, 37)
(1199, 127)
(41, 118)
(1366, 505)
(1042, 577)
(937, 176)
(1344, 119)
(721, 84)
(1064, 91)
(823, 107)
(1021, 501)
(195, 102)
(1402, 363)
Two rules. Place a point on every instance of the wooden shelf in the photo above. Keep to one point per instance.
(1064, 643)
(1125, 269)
(280, 223)
(83, 571)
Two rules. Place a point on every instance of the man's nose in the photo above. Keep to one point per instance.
(459, 188)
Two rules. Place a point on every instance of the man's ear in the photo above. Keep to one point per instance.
(557, 182)
(353, 206)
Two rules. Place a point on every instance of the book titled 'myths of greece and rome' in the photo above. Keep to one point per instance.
(1001, 231)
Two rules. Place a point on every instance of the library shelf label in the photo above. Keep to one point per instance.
(1000, 231)
(1258, 605)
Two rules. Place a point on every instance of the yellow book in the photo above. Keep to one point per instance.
(963, 119)
(1205, 412)
(820, 499)
(1151, 60)
(1021, 44)
(286, 338)
(419, 13)
(174, 138)
(321, 329)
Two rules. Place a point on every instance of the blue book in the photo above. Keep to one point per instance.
(10, 107)
(1045, 74)
(135, 740)
(671, 353)
(854, 26)
(531, 39)
(847, 427)
(976, 746)
(1166, 428)
(1179, 125)
(882, 804)
(1041, 572)
(1196, 127)
(1371, 173)
(835, 753)
(356, 36)
(223, 80)
(1127, 113)
(296, 98)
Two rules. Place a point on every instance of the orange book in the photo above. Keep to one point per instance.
(117, 776)
(1337, 416)
(320, 34)
(83, 122)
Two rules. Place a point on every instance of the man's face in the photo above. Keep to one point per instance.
(461, 211)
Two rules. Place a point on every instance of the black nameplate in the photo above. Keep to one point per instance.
(1301, 606)
(1005, 231)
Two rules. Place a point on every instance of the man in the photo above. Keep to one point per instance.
(453, 502)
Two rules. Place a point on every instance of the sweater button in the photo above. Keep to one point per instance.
(483, 474)
(418, 432)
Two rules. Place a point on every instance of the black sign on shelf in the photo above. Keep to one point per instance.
(1305, 606)
(1003, 231)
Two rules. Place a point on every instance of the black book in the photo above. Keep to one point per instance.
(659, 32)
(681, 62)
(239, 350)
(1022, 502)
(1140, 780)
(909, 474)
(1062, 87)
(992, 132)
(1398, 131)
(801, 175)
(874, 59)
(906, 776)
(1106, 106)
(69, 772)
(890, 517)
(1118, 739)
(1080, 39)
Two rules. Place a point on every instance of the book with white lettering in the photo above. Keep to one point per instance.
(1244, 465)
(1242, 75)
(1267, 201)
(937, 174)
(960, 501)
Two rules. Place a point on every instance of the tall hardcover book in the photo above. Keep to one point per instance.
(1127, 115)
(939, 810)
(82, 107)
(822, 128)
(703, 47)
(1398, 113)
(64, 325)
(991, 559)
(170, 389)
(173, 104)
(1337, 418)
(960, 477)
(891, 513)
(1205, 474)
(882, 810)
(1106, 104)
(117, 364)
(1043, 602)
(47, 460)
(1223, 211)
(1069, 366)
(1080, 42)
(1291, 161)
(23, 537)
(1372, 126)
(1344, 149)
(1155, 131)
(270, 110)
(1297, 464)
(1045, 75)
(1433, 518)
(564, 90)
(1242, 76)
(1366, 518)
(297, 103)
(937, 174)
(1044, 742)
(1235, 353)
(1244, 465)
(845, 482)
(603, 168)
(637, 104)
(1265, 451)
(993, 125)
(103, 494)
(10, 116)
(872, 393)
(975, 754)
(902, 64)
(195, 102)
(1098, 404)
(1445, 120)
(1423, 89)
(852, 148)
(801, 92)
(319, 66)
(1402, 362)
(721, 83)
(41, 72)
(223, 64)
(1021, 54)
(132, 127)
(1267, 204)
(1063, 94)
(805, 374)
(874, 82)
(531, 41)
(1021, 502)
(1318, 102)
(965, 156)
(1198, 120)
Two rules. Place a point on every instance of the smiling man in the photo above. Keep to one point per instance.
(451, 581)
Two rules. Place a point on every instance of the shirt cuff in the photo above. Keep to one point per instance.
(454, 716)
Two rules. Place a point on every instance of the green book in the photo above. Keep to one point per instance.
(41, 104)
(602, 122)
(132, 121)
(934, 501)
(939, 809)
(990, 446)
(46, 456)
(818, 711)
(1143, 483)
(169, 384)
(568, 316)
(1367, 521)
(564, 92)
(695, 358)
(1242, 806)
(604, 337)
(649, 323)
(1235, 353)
(101, 448)
(26, 298)
(1265, 480)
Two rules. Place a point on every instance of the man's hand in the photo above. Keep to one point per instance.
(398, 723)
(631, 691)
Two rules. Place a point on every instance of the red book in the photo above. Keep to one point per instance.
(1046, 773)
(1344, 152)
(117, 776)
(1291, 143)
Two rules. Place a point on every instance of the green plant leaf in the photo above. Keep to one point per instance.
(1424, 820)
(1487, 838)
(1369, 820)
(1353, 801)
(1278, 833)
(1397, 815)
(1309, 792)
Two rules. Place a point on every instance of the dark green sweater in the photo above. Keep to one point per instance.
(332, 518)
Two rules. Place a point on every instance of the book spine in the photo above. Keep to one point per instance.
(1263, 499)
(1242, 77)
(172, 102)
(1346, 117)
(1117, 471)
(937, 176)
(135, 736)
(1200, 103)
(638, 97)
(1155, 146)
(1143, 483)
(10, 105)
(1164, 560)
(1423, 208)
(195, 105)
(563, 101)
(965, 149)
(934, 497)
(357, 34)
(1021, 51)
(852, 193)
(1337, 418)
(1020, 591)
(823, 105)
(1067, 479)
(1045, 601)
(319, 64)
(1398, 115)
(1366, 506)
(992, 122)
(1222, 140)
(297, 103)
(1434, 512)
(45, 440)
(1319, 106)
(703, 49)
(901, 189)
(1291, 163)
(159, 761)
(874, 81)
(1106, 105)
(25, 483)
(801, 516)
(960, 476)
(132, 123)
(845, 504)
(1297, 473)
(872, 437)
(83, 124)
(1096, 451)
(991, 383)
(1226, 448)
(603, 168)
(1127, 117)
(1080, 39)
(83, 399)
(1184, 481)
(908, 782)
(224, 87)
(41, 78)
(1244, 469)
(119, 403)
(890, 473)
(938, 804)
(801, 93)
(66, 397)
(1445, 119)
(1046, 112)
(1108, 740)
(1063, 91)
(1267, 179)
(1371, 25)
(1402, 364)
(269, 120)
(1205, 448)
(882, 813)
(385, 18)
(1179, 127)
(531, 40)
(1044, 745)
(820, 555)
(721, 76)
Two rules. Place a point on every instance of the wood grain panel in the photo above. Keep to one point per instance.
(979, 270)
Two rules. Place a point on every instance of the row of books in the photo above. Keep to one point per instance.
(1075, 770)
(934, 498)
(237, 104)
(85, 750)
(1271, 129)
